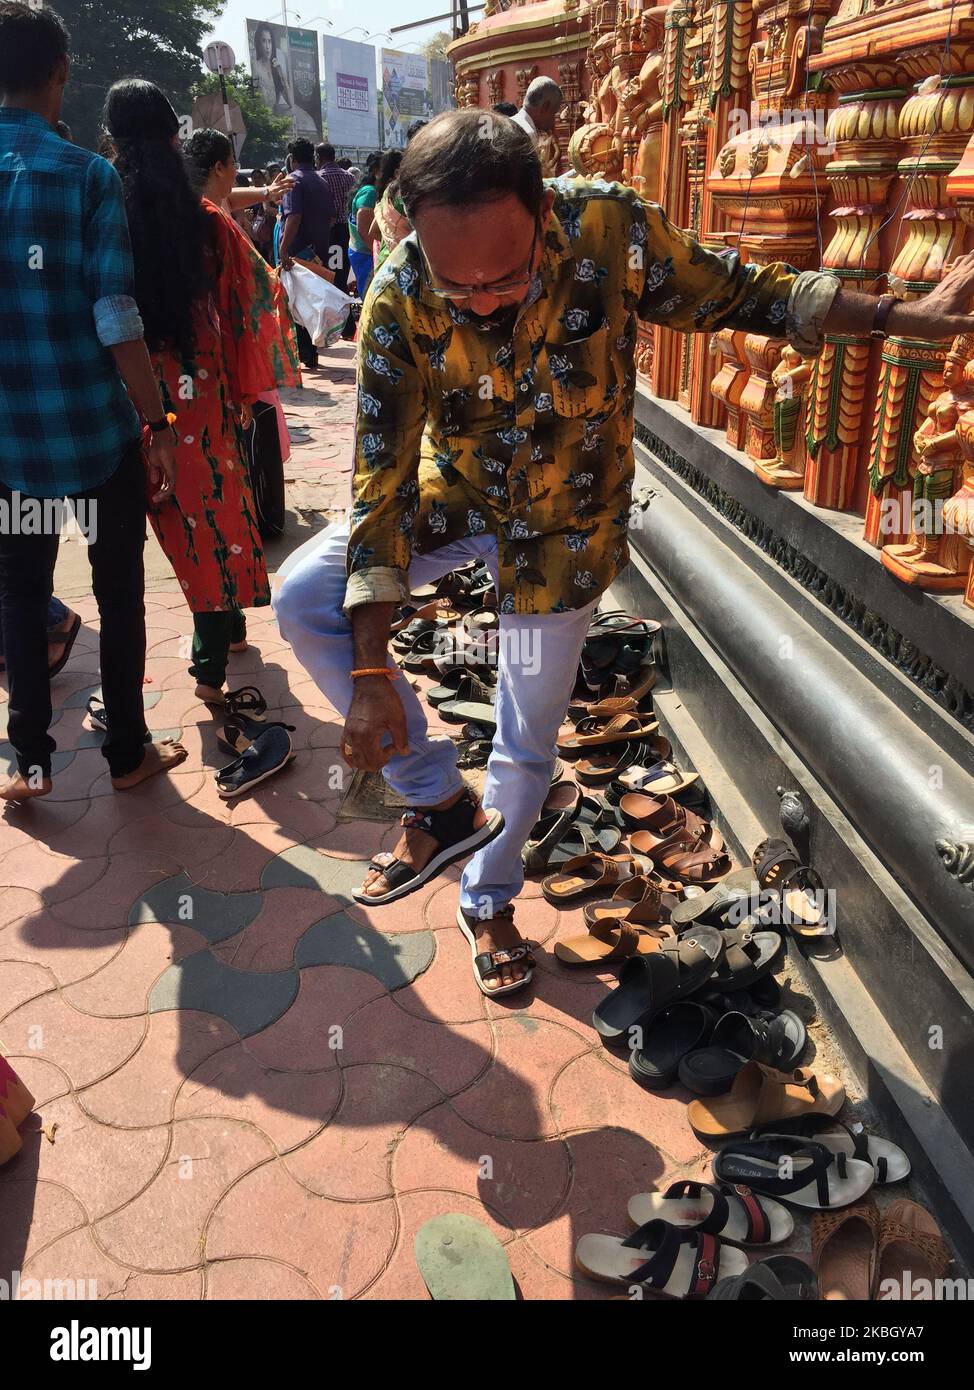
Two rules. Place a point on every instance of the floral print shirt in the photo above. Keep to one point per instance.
(522, 425)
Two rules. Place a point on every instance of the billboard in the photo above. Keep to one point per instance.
(441, 85)
(350, 87)
(284, 66)
(405, 77)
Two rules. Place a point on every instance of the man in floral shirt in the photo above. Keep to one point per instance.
(495, 421)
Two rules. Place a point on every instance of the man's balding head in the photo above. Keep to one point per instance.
(542, 101)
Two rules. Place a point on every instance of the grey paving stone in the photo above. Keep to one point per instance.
(303, 867)
(247, 1000)
(395, 959)
(215, 916)
(59, 760)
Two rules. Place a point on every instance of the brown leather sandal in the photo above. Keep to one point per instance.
(598, 730)
(610, 939)
(587, 873)
(911, 1252)
(761, 1096)
(844, 1246)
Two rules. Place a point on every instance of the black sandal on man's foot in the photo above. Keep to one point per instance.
(452, 829)
(492, 962)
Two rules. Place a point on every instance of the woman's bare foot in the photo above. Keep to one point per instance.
(209, 694)
(159, 757)
(416, 848)
(21, 788)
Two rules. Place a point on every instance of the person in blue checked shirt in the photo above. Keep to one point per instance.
(74, 378)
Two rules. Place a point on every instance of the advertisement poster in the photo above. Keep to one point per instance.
(350, 88)
(405, 79)
(284, 66)
(441, 85)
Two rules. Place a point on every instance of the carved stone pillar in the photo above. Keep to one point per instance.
(757, 399)
(729, 383)
(934, 128)
(674, 191)
(864, 130)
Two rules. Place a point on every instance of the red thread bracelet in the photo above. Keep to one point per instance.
(389, 671)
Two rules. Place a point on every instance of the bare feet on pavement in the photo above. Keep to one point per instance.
(21, 788)
(159, 757)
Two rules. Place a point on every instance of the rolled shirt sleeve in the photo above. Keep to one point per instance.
(117, 320)
(693, 290)
(390, 418)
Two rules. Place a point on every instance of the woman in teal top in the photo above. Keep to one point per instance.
(360, 224)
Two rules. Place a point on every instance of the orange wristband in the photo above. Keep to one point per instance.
(389, 671)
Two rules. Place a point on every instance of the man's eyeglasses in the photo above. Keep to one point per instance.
(499, 287)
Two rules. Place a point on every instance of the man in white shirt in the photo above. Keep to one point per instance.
(542, 102)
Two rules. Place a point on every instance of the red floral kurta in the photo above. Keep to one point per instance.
(244, 345)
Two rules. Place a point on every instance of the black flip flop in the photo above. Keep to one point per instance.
(778, 1278)
(648, 984)
(737, 1038)
(748, 957)
(70, 637)
(678, 1030)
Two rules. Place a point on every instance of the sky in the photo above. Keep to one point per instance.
(378, 16)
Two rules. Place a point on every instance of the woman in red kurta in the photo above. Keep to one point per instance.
(219, 334)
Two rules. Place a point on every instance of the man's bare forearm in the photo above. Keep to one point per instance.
(370, 630)
(937, 316)
(135, 369)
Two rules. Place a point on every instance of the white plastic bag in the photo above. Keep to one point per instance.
(317, 305)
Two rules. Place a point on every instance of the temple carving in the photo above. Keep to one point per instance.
(832, 134)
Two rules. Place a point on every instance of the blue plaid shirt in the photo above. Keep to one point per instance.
(66, 286)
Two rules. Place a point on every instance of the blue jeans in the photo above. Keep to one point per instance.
(537, 663)
(56, 614)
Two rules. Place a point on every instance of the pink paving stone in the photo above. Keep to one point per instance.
(55, 877)
(268, 942)
(297, 815)
(108, 901)
(161, 1287)
(240, 1280)
(44, 1080)
(609, 1166)
(327, 733)
(286, 1107)
(121, 988)
(301, 1040)
(589, 1094)
(339, 1247)
(401, 1279)
(86, 1048)
(512, 1098)
(239, 867)
(95, 823)
(162, 1228)
(352, 839)
(446, 992)
(21, 981)
(161, 792)
(520, 1184)
(405, 915)
(538, 1281)
(69, 953)
(191, 846)
(142, 1091)
(103, 1166)
(452, 1059)
(350, 1159)
(34, 1214)
(565, 1001)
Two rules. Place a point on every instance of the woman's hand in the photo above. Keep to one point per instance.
(161, 467)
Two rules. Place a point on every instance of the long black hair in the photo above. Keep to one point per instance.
(388, 171)
(170, 231)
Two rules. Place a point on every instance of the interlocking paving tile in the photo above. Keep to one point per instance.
(304, 867)
(248, 1001)
(396, 960)
(215, 916)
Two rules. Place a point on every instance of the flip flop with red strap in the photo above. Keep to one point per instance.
(736, 1214)
(661, 1257)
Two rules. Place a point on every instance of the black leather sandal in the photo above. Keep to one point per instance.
(490, 962)
(454, 833)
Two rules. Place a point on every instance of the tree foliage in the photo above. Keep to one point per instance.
(435, 45)
(160, 40)
(267, 134)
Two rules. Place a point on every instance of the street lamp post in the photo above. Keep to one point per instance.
(219, 58)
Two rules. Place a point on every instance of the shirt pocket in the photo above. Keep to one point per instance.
(581, 371)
